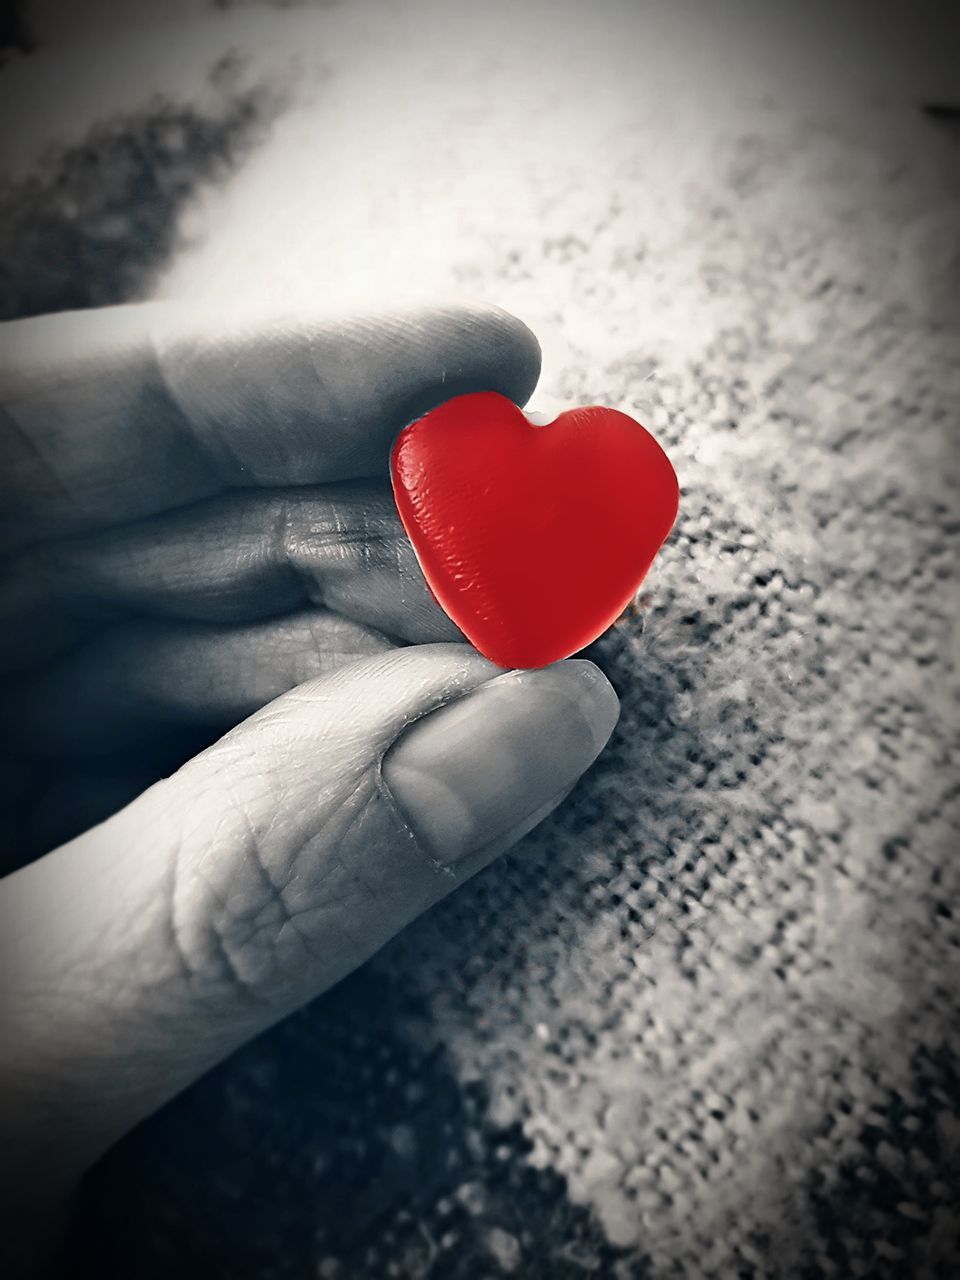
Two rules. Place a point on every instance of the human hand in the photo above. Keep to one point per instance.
(199, 529)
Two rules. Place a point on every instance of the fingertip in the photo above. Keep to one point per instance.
(517, 354)
(470, 348)
(598, 697)
(476, 773)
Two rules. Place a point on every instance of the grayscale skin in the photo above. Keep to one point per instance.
(242, 744)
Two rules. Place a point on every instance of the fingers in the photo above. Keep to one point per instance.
(137, 682)
(232, 559)
(117, 414)
(262, 872)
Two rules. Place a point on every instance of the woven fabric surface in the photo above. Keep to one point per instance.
(703, 1023)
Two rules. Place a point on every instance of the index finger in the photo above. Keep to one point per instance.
(120, 413)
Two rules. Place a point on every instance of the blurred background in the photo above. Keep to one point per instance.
(703, 1022)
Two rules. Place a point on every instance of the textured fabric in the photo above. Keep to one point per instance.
(703, 1023)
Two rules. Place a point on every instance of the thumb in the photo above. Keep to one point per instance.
(266, 869)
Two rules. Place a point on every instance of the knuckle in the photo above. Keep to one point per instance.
(279, 897)
(226, 909)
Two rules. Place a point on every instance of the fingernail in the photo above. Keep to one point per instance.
(484, 769)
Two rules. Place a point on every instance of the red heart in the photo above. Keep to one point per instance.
(533, 539)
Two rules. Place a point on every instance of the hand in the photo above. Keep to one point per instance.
(198, 529)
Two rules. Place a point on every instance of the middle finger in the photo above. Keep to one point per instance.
(238, 558)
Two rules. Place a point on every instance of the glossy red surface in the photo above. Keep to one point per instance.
(532, 538)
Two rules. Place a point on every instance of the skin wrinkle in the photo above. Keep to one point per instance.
(202, 446)
(118, 567)
(261, 922)
(191, 972)
(366, 538)
(331, 867)
(11, 423)
(23, 540)
(354, 871)
(214, 930)
(243, 553)
(333, 410)
(284, 548)
(388, 799)
(403, 576)
(285, 803)
(332, 858)
(330, 908)
(172, 883)
(230, 946)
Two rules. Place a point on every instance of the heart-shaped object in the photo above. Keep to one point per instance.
(533, 539)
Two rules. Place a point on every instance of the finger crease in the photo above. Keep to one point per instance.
(211, 445)
(285, 555)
